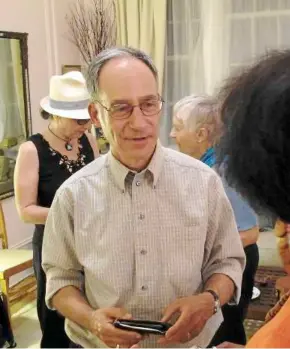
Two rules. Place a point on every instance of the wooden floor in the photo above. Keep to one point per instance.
(25, 324)
(26, 328)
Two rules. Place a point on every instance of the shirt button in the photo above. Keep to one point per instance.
(144, 288)
(143, 251)
(138, 183)
(141, 216)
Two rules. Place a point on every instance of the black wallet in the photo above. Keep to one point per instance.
(143, 326)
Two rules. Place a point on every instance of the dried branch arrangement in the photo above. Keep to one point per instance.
(92, 26)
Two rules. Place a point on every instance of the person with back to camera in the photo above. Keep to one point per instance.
(255, 113)
(44, 162)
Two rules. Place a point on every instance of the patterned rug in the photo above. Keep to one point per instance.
(252, 326)
(265, 281)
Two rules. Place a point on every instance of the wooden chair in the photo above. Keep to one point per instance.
(12, 262)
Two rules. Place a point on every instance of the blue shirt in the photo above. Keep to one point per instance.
(244, 214)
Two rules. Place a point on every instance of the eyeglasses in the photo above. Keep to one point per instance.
(149, 107)
(82, 122)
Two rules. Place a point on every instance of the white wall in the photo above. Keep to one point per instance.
(48, 49)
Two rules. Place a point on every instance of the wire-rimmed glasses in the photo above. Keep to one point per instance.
(148, 107)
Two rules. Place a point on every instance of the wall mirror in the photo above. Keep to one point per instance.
(15, 114)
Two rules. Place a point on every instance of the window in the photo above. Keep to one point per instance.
(208, 40)
(256, 27)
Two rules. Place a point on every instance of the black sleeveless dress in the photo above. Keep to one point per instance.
(54, 169)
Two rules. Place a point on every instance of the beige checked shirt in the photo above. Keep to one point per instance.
(141, 240)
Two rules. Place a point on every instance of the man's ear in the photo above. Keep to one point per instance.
(94, 115)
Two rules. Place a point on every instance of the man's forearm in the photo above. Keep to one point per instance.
(222, 285)
(70, 302)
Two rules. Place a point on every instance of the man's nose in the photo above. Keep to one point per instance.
(137, 118)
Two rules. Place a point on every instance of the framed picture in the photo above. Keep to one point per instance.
(68, 68)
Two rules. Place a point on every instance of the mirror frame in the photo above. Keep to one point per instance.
(23, 40)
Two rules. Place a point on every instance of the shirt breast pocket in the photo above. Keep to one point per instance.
(182, 250)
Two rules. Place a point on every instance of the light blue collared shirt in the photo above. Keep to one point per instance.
(244, 214)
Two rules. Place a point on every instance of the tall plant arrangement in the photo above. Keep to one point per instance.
(92, 25)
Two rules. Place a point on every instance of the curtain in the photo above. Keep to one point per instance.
(213, 43)
(142, 24)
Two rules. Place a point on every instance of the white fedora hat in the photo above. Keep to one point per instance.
(68, 96)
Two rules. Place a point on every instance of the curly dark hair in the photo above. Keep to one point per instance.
(255, 113)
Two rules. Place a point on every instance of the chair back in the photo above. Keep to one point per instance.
(3, 232)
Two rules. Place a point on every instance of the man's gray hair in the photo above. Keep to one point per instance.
(197, 111)
(95, 67)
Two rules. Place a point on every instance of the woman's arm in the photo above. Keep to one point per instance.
(249, 236)
(94, 144)
(26, 179)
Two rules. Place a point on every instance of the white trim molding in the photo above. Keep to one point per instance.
(26, 243)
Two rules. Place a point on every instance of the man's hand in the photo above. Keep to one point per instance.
(194, 312)
(102, 326)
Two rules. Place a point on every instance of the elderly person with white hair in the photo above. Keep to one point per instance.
(196, 129)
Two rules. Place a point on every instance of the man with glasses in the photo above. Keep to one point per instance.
(144, 232)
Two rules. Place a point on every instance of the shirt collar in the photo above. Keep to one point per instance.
(120, 172)
(209, 157)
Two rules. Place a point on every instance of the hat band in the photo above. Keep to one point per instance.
(78, 105)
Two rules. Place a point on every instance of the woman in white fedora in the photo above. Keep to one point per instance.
(44, 162)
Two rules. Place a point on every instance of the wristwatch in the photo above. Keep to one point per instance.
(217, 303)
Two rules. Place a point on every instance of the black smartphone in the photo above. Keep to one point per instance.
(143, 326)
